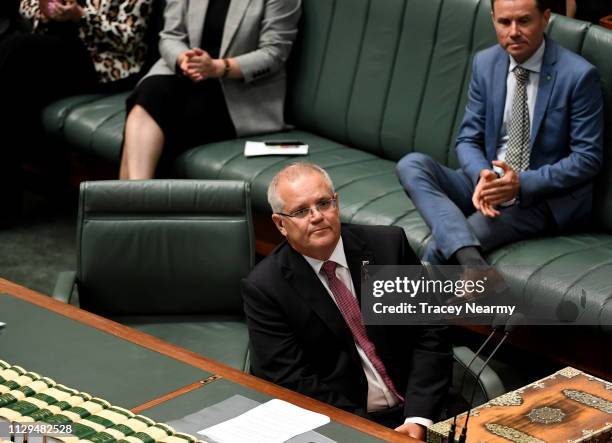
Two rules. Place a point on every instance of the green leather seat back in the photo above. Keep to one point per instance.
(163, 246)
(386, 76)
(597, 48)
(595, 44)
(567, 32)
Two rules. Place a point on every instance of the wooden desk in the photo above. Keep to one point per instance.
(186, 362)
(567, 406)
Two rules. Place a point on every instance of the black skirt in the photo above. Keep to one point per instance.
(189, 114)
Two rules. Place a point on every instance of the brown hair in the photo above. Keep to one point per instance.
(542, 5)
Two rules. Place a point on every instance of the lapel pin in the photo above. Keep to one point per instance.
(364, 270)
(548, 77)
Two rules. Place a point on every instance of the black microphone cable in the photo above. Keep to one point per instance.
(498, 321)
(515, 320)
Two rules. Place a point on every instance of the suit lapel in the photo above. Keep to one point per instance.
(499, 85)
(308, 286)
(235, 13)
(195, 23)
(356, 256)
(547, 81)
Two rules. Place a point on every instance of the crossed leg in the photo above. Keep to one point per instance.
(443, 197)
(142, 146)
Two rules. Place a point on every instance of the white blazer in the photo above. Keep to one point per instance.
(259, 35)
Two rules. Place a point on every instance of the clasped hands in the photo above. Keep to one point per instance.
(61, 10)
(492, 190)
(198, 65)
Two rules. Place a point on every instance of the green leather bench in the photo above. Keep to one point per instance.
(369, 82)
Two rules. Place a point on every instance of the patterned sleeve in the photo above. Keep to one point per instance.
(118, 24)
(30, 10)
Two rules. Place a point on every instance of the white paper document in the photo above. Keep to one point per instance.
(254, 149)
(275, 421)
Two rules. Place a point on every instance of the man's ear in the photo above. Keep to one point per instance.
(547, 15)
(279, 223)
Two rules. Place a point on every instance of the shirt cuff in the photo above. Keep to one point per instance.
(419, 421)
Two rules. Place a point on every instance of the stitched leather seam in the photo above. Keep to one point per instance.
(584, 275)
(65, 113)
(363, 177)
(449, 143)
(391, 77)
(102, 123)
(516, 245)
(355, 71)
(405, 214)
(373, 199)
(551, 260)
(310, 157)
(427, 72)
(324, 56)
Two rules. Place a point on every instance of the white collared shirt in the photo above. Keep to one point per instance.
(534, 66)
(379, 395)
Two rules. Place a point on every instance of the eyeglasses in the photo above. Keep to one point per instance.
(322, 206)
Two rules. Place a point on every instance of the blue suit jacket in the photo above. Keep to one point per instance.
(566, 134)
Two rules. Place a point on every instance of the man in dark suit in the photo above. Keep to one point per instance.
(305, 325)
(530, 144)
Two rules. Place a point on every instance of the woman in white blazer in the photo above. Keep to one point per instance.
(221, 75)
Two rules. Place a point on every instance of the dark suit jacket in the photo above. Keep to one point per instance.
(300, 340)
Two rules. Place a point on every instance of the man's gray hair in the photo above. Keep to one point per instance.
(292, 172)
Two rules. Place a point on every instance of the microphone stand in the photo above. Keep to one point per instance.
(514, 321)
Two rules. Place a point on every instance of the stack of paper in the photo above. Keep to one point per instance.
(254, 149)
(273, 422)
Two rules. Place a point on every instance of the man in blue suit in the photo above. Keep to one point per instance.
(529, 145)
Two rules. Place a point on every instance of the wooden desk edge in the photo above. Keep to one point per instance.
(198, 361)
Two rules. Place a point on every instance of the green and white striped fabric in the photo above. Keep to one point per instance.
(76, 413)
(99, 422)
(152, 434)
(36, 402)
(27, 397)
(25, 388)
(8, 372)
(62, 405)
(11, 378)
(117, 432)
(179, 437)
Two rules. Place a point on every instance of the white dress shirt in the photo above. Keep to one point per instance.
(379, 395)
(534, 66)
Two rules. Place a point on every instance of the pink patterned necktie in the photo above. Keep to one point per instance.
(349, 308)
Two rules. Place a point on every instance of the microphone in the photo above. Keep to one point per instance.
(498, 321)
(516, 320)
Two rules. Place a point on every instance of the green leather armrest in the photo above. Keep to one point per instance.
(64, 286)
(489, 381)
